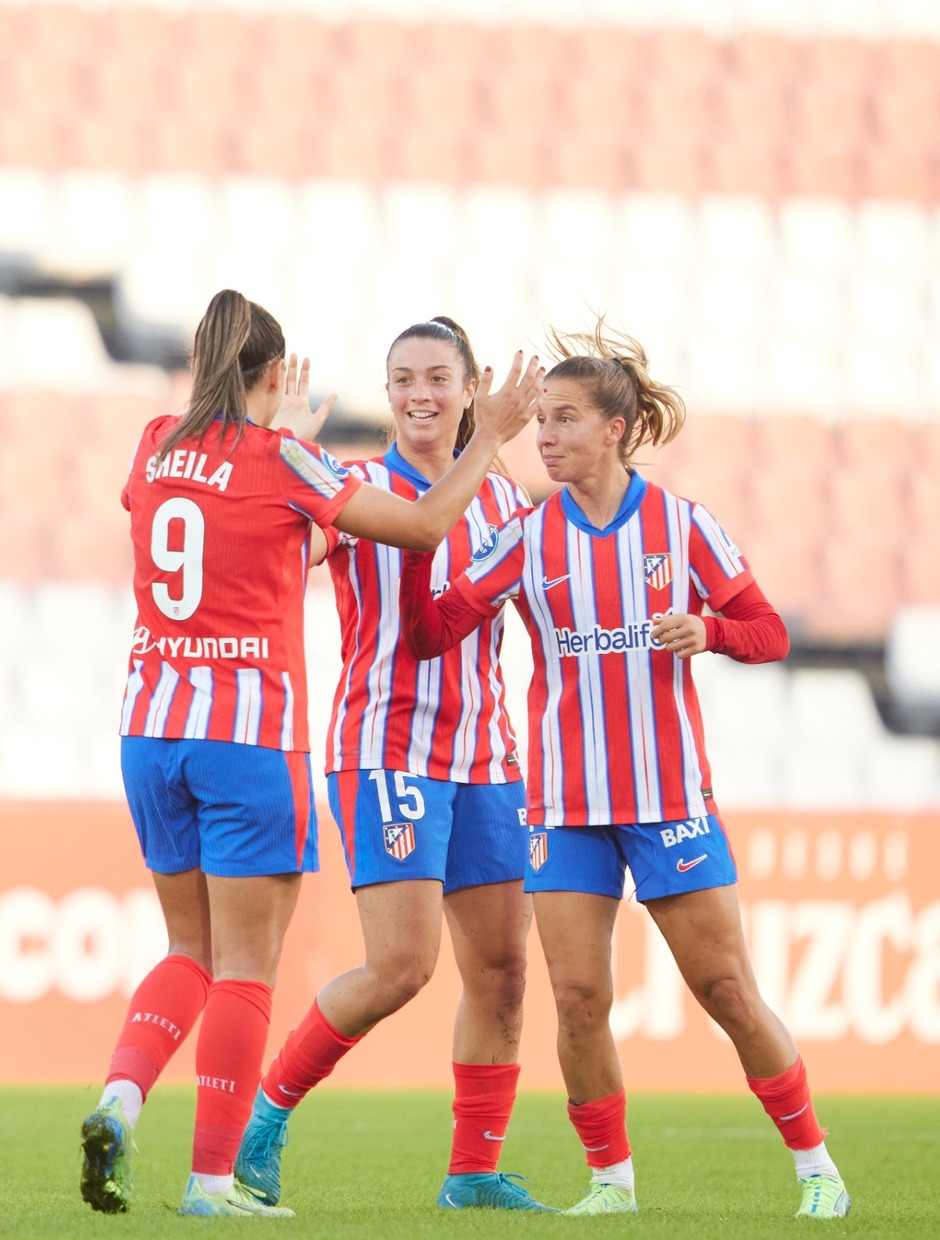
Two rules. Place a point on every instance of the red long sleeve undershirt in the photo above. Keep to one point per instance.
(748, 629)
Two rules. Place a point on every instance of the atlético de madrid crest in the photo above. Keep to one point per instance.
(399, 839)
(538, 849)
(657, 570)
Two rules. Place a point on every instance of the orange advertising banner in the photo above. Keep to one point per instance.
(842, 915)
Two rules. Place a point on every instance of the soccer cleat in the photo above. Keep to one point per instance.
(258, 1161)
(606, 1199)
(238, 1199)
(108, 1148)
(824, 1196)
(487, 1191)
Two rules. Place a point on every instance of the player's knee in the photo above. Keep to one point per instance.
(732, 1004)
(582, 1008)
(397, 983)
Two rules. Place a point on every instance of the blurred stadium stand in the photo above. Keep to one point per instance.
(752, 191)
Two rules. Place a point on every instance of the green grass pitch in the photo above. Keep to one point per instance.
(365, 1164)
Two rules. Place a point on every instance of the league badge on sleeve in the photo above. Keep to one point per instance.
(399, 839)
(657, 570)
(487, 546)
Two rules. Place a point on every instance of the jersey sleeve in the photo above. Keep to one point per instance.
(750, 630)
(316, 484)
(431, 626)
(494, 574)
(718, 569)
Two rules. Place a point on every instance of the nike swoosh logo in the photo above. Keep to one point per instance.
(682, 866)
(450, 1201)
(291, 1093)
(595, 1149)
(555, 581)
(490, 1136)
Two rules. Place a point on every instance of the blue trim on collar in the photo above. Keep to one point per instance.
(631, 501)
(395, 462)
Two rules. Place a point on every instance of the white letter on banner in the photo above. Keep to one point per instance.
(827, 925)
(887, 920)
(923, 981)
(26, 965)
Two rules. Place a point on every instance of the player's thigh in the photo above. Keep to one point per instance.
(401, 925)
(395, 826)
(256, 810)
(704, 933)
(163, 809)
(488, 837)
(489, 927)
(575, 930)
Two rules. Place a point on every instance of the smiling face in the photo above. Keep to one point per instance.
(428, 391)
(577, 443)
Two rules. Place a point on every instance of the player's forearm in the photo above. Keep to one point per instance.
(430, 626)
(442, 506)
(749, 629)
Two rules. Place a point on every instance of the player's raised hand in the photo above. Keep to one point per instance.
(294, 412)
(503, 414)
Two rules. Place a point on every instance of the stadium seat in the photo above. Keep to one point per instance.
(751, 110)
(684, 57)
(919, 567)
(658, 231)
(885, 446)
(864, 504)
(673, 167)
(817, 235)
(793, 447)
(894, 240)
(912, 667)
(843, 63)
(736, 231)
(57, 342)
(766, 55)
(858, 594)
(90, 226)
(901, 175)
(824, 171)
(902, 773)
(754, 168)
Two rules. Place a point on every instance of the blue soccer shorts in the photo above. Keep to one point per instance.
(397, 827)
(664, 858)
(235, 811)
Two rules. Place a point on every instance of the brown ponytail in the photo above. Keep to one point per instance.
(235, 341)
(614, 368)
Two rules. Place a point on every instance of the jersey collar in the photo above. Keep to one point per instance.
(398, 465)
(631, 501)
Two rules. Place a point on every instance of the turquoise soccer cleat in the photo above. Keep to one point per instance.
(606, 1199)
(235, 1200)
(824, 1196)
(108, 1147)
(258, 1161)
(487, 1191)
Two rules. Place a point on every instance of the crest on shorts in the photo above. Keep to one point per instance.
(657, 570)
(399, 839)
(538, 849)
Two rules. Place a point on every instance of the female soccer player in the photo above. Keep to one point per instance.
(425, 784)
(215, 750)
(610, 576)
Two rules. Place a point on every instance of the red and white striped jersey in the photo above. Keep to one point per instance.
(444, 718)
(615, 731)
(221, 549)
